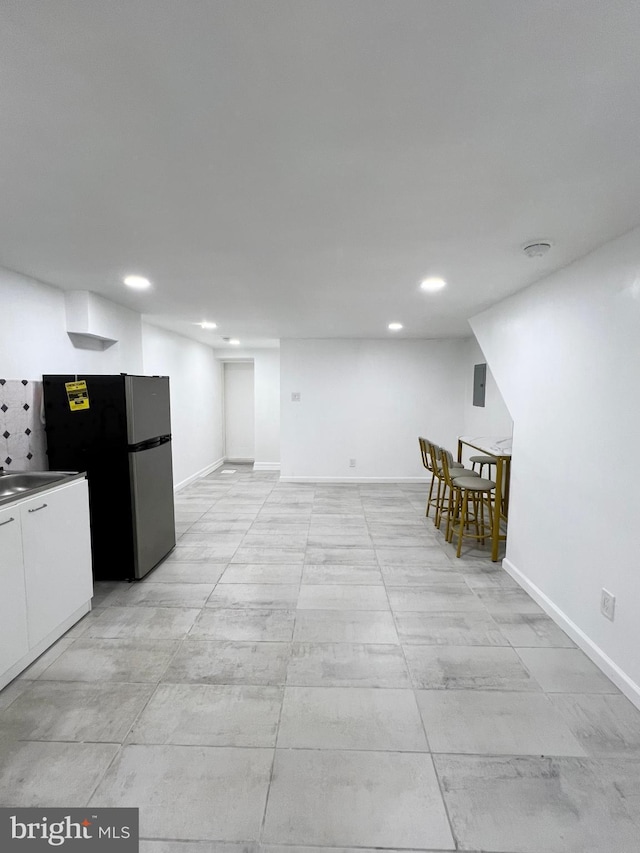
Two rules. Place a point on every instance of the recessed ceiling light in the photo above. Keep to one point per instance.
(395, 327)
(430, 285)
(234, 342)
(206, 325)
(138, 282)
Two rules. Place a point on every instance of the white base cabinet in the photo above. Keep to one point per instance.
(45, 577)
(14, 641)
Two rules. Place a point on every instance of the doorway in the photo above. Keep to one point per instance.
(239, 412)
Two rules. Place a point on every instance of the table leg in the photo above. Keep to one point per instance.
(497, 509)
(507, 487)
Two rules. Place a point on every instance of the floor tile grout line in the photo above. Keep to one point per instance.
(246, 683)
(555, 756)
(276, 733)
(421, 717)
(295, 616)
(416, 703)
(115, 757)
(272, 769)
(406, 663)
(140, 713)
(426, 735)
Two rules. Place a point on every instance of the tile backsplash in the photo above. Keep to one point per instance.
(22, 436)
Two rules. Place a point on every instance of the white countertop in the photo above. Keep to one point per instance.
(492, 444)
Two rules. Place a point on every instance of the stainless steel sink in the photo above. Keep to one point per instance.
(26, 481)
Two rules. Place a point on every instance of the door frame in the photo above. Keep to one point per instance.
(225, 361)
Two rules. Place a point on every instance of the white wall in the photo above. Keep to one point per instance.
(239, 411)
(368, 400)
(34, 338)
(266, 403)
(34, 341)
(492, 419)
(196, 399)
(566, 355)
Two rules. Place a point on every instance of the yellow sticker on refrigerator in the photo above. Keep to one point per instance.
(78, 395)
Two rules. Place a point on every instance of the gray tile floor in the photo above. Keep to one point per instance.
(312, 668)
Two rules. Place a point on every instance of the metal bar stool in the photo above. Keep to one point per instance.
(482, 461)
(439, 459)
(462, 490)
(424, 452)
(434, 456)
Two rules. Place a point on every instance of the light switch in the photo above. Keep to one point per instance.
(295, 396)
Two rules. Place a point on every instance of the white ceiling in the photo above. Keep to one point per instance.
(293, 168)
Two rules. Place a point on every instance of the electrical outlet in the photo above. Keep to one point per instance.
(352, 463)
(607, 604)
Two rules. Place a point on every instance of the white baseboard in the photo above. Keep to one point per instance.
(354, 480)
(238, 460)
(202, 473)
(266, 466)
(630, 689)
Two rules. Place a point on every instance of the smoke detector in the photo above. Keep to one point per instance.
(537, 249)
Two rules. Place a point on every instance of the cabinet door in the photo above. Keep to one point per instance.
(14, 642)
(57, 556)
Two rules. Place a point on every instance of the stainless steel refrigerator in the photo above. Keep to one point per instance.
(118, 430)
